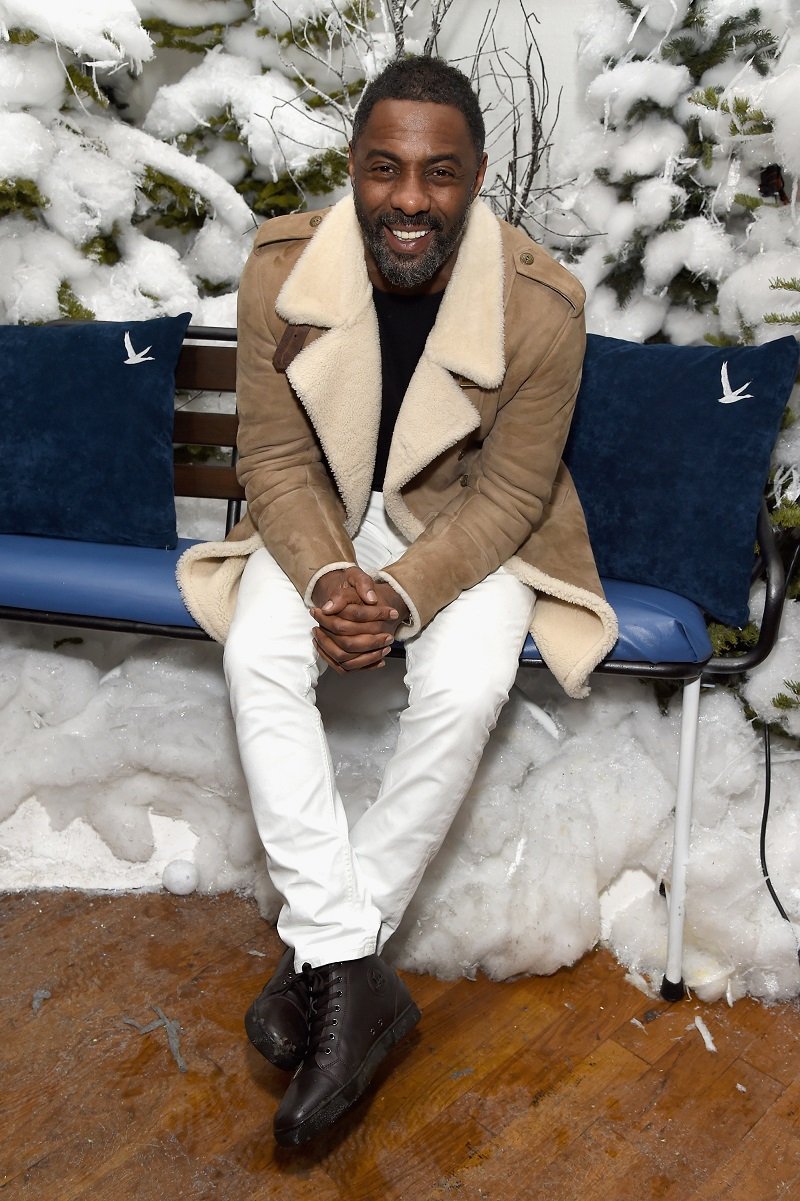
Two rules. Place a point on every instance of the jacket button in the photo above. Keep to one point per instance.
(318, 221)
(464, 481)
(526, 257)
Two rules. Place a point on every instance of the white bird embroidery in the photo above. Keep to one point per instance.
(730, 397)
(137, 356)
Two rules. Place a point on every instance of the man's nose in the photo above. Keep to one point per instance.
(410, 193)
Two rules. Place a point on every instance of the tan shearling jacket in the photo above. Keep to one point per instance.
(474, 478)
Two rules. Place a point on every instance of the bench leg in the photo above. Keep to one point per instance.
(672, 986)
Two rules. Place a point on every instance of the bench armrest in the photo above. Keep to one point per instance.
(772, 567)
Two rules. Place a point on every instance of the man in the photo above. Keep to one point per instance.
(407, 371)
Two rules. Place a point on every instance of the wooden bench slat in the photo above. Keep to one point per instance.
(206, 368)
(206, 480)
(205, 429)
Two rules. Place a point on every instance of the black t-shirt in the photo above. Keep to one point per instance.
(404, 323)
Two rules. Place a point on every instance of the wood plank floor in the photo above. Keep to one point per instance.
(565, 1087)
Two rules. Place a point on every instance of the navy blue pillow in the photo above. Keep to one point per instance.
(86, 415)
(670, 450)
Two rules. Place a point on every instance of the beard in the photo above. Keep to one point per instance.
(407, 270)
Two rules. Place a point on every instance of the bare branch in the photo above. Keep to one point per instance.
(439, 10)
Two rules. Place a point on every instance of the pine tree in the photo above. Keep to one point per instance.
(667, 183)
(136, 155)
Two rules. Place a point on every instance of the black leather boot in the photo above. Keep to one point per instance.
(277, 1021)
(359, 1010)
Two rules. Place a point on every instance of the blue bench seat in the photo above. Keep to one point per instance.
(137, 584)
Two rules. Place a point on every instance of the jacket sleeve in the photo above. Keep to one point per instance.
(290, 496)
(505, 492)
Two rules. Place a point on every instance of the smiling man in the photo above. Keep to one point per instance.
(408, 366)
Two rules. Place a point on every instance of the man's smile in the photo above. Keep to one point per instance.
(402, 240)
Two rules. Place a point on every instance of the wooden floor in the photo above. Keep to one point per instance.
(571, 1086)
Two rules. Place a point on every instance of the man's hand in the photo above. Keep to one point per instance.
(357, 619)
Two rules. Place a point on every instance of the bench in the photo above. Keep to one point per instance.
(132, 589)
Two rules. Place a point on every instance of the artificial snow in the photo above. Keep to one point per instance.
(779, 98)
(637, 320)
(107, 742)
(705, 1034)
(30, 77)
(191, 14)
(104, 32)
(25, 146)
(746, 295)
(279, 17)
(699, 246)
(119, 761)
(612, 94)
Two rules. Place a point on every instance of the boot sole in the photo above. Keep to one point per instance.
(276, 1053)
(349, 1093)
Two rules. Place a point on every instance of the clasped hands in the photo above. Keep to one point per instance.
(357, 619)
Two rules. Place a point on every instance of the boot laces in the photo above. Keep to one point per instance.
(324, 996)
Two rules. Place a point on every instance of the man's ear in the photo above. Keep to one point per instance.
(351, 166)
(476, 187)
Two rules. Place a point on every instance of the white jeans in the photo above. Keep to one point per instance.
(345, 890)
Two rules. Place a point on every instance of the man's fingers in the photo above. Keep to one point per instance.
(363, 584)
(342, 599)
(344, 623)
(352, 658)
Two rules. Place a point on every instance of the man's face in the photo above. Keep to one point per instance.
(415, 173)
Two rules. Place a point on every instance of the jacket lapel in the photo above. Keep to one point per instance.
(338, 376)
(466, 342)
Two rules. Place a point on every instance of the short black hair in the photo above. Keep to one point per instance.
(426, 80)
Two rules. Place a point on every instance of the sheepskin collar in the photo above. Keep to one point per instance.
(338, 376)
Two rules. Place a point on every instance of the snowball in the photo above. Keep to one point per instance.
(180, 877)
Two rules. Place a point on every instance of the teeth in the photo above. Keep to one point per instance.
(409, 235)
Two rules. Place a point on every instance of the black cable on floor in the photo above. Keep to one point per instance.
(764, 819)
